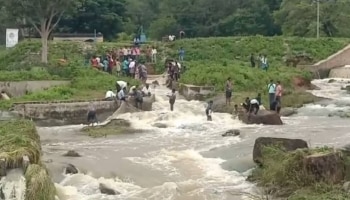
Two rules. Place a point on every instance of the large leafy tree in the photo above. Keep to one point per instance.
(105, 16)
(298, 17)
(43, 15)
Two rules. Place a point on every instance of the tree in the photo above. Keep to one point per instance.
(43, 15)
(105, 16)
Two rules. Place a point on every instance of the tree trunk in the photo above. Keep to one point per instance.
(44, 37)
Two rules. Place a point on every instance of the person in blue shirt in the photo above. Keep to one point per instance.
(105, 64)
(125, 67)
(181, 54)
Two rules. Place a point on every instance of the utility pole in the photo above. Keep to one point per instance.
(318, 19)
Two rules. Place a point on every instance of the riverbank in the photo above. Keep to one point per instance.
(313, 174)
(19, 138)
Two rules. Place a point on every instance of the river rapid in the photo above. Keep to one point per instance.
(188, 160)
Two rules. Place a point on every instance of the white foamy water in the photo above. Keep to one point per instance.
(13, 185)
(188, 160)
(162, 163)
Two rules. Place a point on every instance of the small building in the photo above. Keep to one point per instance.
(82, 37)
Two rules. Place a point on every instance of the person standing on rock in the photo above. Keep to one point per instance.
(228, 91)
(172, 98)
(271, 87)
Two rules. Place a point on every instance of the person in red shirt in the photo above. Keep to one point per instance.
(94, 62)
(279, 91)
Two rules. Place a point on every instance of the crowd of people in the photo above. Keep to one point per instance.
(125, 61)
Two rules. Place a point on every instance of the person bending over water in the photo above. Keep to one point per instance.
(208, 110)
(172, 98)
(254, 106)
(246, 104)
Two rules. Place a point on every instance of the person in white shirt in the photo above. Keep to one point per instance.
(254, 106)
(154, 54)
(121, 85)
(132, 66)
(146, 91)
(131, 90)
(110, 95)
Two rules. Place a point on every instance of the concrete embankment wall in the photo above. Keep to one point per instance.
(63, 113)
(20, 88)
(339, 59)
(192, 92)
(342, 72)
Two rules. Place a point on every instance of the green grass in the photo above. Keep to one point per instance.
(114, 127)
(87, 84)
(19, 138)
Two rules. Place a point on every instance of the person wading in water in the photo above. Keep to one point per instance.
(91, 115)
(228, 91)
(172, 98)
(208, 110)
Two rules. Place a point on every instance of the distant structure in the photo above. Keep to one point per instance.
(83, 37)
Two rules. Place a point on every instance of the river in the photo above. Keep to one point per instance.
(189, 160)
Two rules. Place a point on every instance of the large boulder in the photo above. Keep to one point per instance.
(326, 167)
(262, 117)
(283, 143)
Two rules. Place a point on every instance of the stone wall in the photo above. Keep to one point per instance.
(64, 113)
(339, 59)
(20, 88)
(192, 92)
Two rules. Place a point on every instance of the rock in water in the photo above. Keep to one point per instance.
(233, 132)
(72, 153)
(283, 143)
(263, 117)
(106, 190)
(71, 169)
(160, 125)
(326, 167)
(331, 81)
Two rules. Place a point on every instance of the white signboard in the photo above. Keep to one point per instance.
(11, 37)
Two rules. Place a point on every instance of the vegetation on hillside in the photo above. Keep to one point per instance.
(210, 61)
(19, 138)
(283, 175)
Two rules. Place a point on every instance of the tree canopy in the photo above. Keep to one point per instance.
(198, 18)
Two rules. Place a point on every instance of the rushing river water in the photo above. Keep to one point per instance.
(189, 160)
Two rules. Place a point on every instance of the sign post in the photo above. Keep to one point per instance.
(11, 37)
